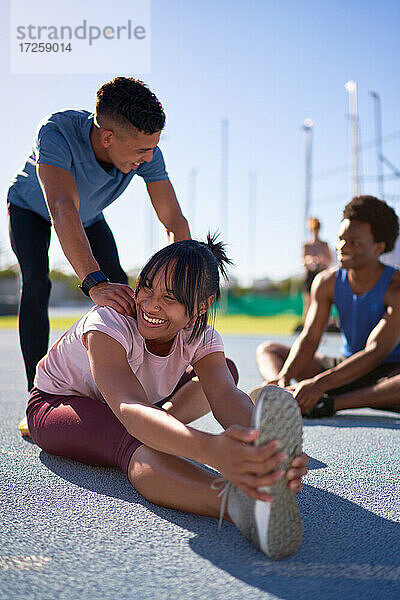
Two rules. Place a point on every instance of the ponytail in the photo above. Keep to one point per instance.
(218, 250)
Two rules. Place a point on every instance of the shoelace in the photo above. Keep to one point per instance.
(223, 485)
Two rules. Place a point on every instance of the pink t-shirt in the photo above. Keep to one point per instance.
(65, 369)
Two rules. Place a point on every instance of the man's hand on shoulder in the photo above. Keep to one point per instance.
(118, 296)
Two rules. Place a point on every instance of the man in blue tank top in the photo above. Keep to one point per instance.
(367, 296)
(81, 163)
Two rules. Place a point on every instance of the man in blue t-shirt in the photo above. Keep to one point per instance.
(367, 295)
(81, 163)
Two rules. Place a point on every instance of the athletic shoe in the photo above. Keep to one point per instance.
(254, 392)
(275, 527)
(323, 408)
(23, 427)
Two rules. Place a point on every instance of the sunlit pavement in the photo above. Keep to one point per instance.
(72, 531)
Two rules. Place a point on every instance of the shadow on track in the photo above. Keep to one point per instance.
(354, 420)
(347, 551)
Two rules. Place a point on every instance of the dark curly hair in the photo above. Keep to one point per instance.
(382, 218)
(192, 271)
(129, 101)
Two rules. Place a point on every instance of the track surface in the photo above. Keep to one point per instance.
(69, 531)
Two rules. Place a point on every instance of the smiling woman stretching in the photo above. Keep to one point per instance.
(118, 391)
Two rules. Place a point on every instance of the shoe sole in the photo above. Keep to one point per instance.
(279, 523)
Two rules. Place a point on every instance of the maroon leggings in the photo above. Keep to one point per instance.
(86, 430)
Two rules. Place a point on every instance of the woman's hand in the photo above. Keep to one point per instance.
(298, 468)
(250, 467)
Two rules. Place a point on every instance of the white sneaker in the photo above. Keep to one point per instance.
(254, 392)
(274, 527)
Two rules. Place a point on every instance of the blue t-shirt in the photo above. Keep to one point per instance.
(62, 140)
(359, 314)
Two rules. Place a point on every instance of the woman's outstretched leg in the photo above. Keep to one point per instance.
(174, 482)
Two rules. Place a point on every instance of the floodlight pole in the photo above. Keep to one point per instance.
(378, 141)
(308, 139)
(351, 87)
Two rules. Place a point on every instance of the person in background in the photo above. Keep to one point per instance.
(316, 257)
(79, 165)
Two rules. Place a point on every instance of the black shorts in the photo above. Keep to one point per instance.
(86, 430)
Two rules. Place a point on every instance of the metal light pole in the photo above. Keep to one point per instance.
(378, 140)
(308, 138)
(351, 88)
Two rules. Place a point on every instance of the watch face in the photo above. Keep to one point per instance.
(91, 280)
(97, 278)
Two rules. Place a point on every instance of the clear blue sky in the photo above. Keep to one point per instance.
(265, 66)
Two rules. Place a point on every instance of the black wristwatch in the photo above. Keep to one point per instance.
(91, 280)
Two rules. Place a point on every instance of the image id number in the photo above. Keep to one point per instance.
(44, 47)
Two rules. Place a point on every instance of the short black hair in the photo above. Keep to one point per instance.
(129, 101)
(381, 217)
(192, 270)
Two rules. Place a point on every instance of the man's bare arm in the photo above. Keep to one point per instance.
(165, 203)
(381, 341)
(305, 346)
(62, 199)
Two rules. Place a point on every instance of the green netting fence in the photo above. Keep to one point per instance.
(260, 306)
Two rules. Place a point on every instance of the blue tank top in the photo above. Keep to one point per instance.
(360, 314)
